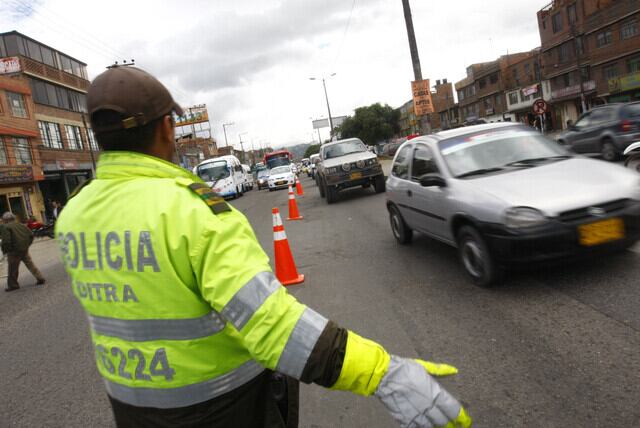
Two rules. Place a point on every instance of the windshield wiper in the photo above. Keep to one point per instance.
(533, 161)
(479, 172)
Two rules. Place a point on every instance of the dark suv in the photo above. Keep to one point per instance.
(608, 130)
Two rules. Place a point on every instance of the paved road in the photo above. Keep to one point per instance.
(550, 348)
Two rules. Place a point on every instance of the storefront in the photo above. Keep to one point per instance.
(61, 179)
(19, 193)
(625, 88)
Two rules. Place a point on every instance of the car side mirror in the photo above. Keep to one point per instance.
(431, 180)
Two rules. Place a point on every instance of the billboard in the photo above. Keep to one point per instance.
(9, 65)
(422, 103)
(324, 123)
(192, 115)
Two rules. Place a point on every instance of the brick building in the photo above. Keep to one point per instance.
(58, 86)
(20, 165)
(481, 93)
(192, 151)
(408, 122)
(590, 53)
(445, 109)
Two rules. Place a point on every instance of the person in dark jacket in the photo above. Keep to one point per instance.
(16, 240)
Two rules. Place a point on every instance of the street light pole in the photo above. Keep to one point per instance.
(244, 156)
(326, 97)
(224, 129)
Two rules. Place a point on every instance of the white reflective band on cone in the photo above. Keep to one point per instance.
(279, 236)
(166, 398)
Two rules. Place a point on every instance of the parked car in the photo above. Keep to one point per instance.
(313, 162)
(607, 130)
(262, 178)
(347, 163)
(224, 174)
(248, 178)
(281, 177)
(506, 196)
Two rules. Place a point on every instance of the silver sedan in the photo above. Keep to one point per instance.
(505, 195)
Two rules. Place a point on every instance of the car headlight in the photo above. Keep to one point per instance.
(523, 217)
(346, 167)
(371, 161)
(360, 163)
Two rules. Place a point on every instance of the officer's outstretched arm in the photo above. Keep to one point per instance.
(282, 334)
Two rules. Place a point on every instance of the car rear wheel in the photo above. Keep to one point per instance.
(331, 193)
(400, 230)
(609, 152)
(633, 162)
(476, 258)
(379, 184)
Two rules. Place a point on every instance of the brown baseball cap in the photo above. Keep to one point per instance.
(133, 93)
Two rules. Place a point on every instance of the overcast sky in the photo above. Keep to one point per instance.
(250, 60)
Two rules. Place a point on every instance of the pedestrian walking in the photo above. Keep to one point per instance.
(56, 209)
(16, 240)
(189, 324)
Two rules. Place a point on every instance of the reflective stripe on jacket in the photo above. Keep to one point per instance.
(182, 303)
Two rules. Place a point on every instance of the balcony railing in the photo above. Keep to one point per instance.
(50, 73)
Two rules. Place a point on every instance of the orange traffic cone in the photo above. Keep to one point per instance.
(293, 206)
(286, 271)
(299, 189)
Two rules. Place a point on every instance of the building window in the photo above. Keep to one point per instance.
(50, 133)
(17, 104)
(633, 64)
(580, 45)
(610, 71)
(460, 95)
(493, 79)
(556, 22)
(3, 153)
(92, 140)
(604, 38)
(22, 150)
(57, 96)
(563, 53)
(571, 14)
(482, 83)
(513, 98)
(73, 137)
(629, 29)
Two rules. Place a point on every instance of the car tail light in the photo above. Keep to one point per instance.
(627, 126)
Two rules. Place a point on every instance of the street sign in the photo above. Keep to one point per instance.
(422, 103)
(540, 106)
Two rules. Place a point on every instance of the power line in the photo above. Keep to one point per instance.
(344, 34)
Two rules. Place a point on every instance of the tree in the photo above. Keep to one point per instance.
(311, 150)
(372, 124)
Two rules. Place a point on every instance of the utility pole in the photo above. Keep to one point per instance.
(93, 160)
(326, 97)
(574, 33)
(415, 59)
(224, 129)
(244, 156)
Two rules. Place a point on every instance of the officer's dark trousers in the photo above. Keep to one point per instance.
(14, 260)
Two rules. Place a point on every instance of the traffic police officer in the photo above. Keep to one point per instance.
(187, 320)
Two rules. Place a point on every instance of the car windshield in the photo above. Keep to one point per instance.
(263, 173)
(345, 148)
(495, 150)
(280, 170)
(213, 171)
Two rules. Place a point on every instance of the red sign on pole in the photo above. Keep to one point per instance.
(540, 106)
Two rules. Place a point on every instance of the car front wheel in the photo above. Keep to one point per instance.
(320, 188)
(331, 193)
(476, 258)
(609, 152)
(400, 230)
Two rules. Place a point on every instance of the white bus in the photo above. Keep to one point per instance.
(224, 174)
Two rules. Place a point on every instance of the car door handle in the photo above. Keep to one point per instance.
(409, 193)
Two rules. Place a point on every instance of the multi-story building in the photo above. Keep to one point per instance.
(481, 93)
(58, 84)
(192, 151)
(408, 121)
(445, 113)
(523, 86)
(590, 53)
(20, 166)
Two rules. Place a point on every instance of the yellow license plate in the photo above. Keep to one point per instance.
(601, 231)
(355, 175)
